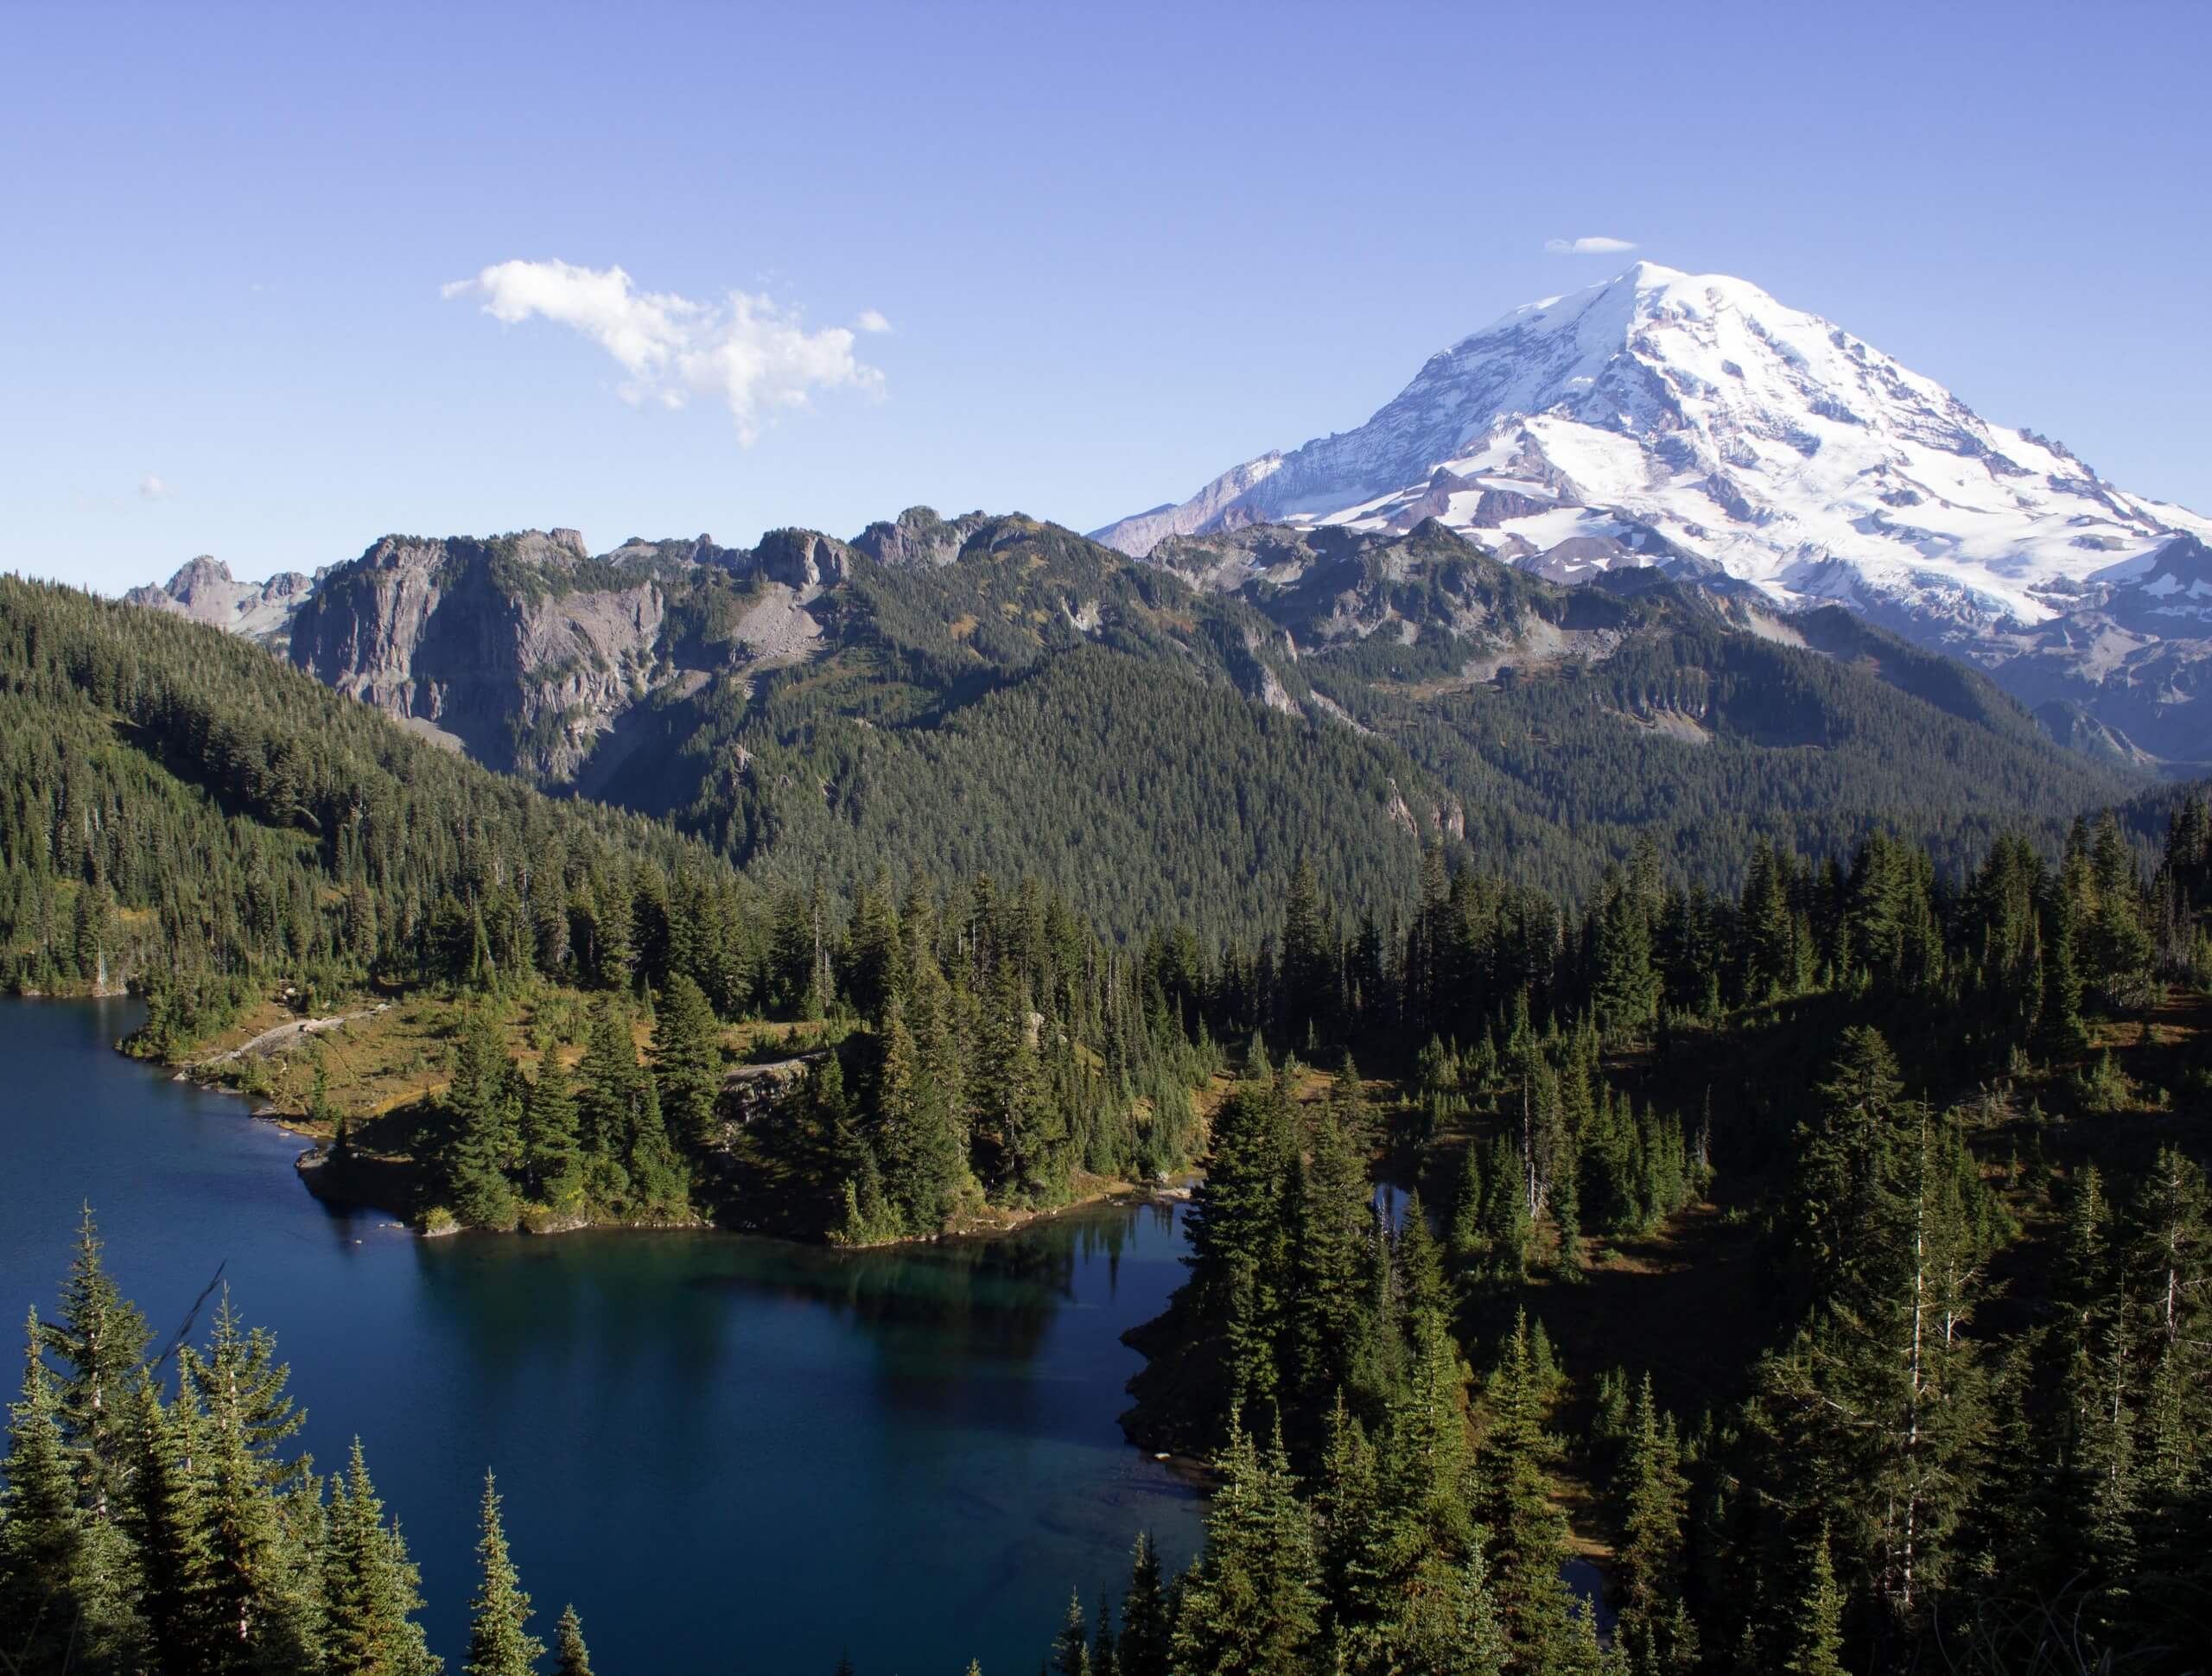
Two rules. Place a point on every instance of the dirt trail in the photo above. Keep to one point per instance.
(284, 1035)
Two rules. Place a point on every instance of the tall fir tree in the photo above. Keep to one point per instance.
(1653, 1630)
(1250, 1605)
(500, 1641)
(1514, 1500)
(687, 1062)
(99, 1340)
(1815, 1641)
(486, 1130)
(552, 1159)
(1071, 1650)
(1147, 1616)
(571, 1656)
(372, 1590)
(63, 1571)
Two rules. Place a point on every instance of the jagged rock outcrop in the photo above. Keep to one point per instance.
(532, 653)
(205, 591)
(918, 537)
(522, 649)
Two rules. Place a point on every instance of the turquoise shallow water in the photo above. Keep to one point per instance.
(734, 1455)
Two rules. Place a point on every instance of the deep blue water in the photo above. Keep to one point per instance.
(734, 1454)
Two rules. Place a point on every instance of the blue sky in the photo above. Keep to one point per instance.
(1119, 248)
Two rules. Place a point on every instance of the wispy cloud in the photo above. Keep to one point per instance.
(749, 352)
(152, 488)
(1595, 245)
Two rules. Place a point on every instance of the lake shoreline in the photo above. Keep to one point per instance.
(394, 1187)
(366, 1179)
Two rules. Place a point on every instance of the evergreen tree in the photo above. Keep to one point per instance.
(1239, 1259)
(241, 1385)
(1508, 1222)
(925, 1146)
(552, 1160)
(1351, 1544)
(1816, 1629)
(687, 1061)
(62, 1581)
(1071, 1650)
(1513, 1502)
(166, 1521)
(99, 1341)
(2168, 1265)
(1627, 987)
(1009, 1089)
(1848, 1158)
(1249, 1606)
(371, 1589)
(1308, 967)
(1105, 1647)
(606, 1084)
(1148, 1621)
(487, 1132)
(1470, 1239)
(259, 1586)
(1652, 1629)
(499, 1643)
(2061, 1008)
(572, 1657)
(1332, 1248)
(1421, 1266)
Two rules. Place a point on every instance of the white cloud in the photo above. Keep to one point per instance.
(871, 320)
(152, 488)
(748, 353)
(1599, 245)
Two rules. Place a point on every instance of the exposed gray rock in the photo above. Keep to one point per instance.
(204, 591)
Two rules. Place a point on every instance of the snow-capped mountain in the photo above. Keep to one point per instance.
(1692, 420)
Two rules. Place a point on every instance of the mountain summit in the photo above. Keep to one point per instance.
(1690, 420)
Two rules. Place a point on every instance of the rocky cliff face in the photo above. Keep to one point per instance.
(532, 653)
(522, 651)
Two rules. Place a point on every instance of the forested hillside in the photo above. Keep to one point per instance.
(185, 814)
(1160, 741)
(1155, 743)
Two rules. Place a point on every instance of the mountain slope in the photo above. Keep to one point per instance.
(1159, 741)
(1693, 422)
(209, 817)
(1567, 720)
